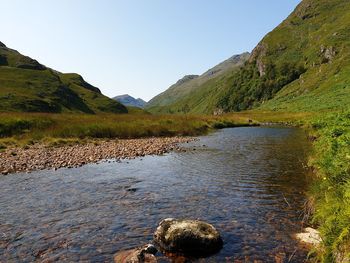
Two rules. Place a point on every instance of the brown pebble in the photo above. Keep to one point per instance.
(39, 156)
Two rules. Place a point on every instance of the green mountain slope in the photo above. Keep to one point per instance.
(188, 92)
(28, 86)
(302, 65)
(323, 28)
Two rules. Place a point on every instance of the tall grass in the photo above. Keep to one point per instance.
(332, 190)
(37, 126)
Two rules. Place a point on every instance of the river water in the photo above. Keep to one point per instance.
(249, 183)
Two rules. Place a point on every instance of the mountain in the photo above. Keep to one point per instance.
(128, 100)
(302, 65)
(28, 86)
(192, 88)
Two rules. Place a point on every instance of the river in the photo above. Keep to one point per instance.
(250, 183)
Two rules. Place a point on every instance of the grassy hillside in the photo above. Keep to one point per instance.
(302, 65)
(188, 93)
(28, 86)
(316, 38)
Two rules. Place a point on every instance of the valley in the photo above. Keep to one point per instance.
(258, 145)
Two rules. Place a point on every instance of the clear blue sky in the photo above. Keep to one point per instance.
(139, 47)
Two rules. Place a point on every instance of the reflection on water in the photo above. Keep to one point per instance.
(248, 182)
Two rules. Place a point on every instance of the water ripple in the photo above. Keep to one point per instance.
(238, 179)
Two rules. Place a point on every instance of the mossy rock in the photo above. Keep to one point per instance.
(188, 237)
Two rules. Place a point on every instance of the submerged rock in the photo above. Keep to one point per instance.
(310, 236)
(143, 254)
(188, 237)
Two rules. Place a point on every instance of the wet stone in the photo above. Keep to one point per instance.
(310, 236)
(188, 237)
(144, 254)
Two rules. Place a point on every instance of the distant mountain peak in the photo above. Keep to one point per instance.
(128, 100)
(124, 95)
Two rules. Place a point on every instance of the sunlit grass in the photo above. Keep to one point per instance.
(332, 190)
(23, 127)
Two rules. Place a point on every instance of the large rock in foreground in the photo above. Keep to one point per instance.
(188, 237)
(143, 254)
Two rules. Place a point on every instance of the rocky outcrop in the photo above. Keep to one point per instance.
(187, 237)
(306, 10)
(328, 54)
(2, 44)
(257, 56)
(29, 63)
(143, 254)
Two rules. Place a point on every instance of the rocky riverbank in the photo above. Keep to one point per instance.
(40, 156)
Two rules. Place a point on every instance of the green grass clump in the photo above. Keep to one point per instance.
(332, 190)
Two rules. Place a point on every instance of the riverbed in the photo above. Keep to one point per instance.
(250, 183)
